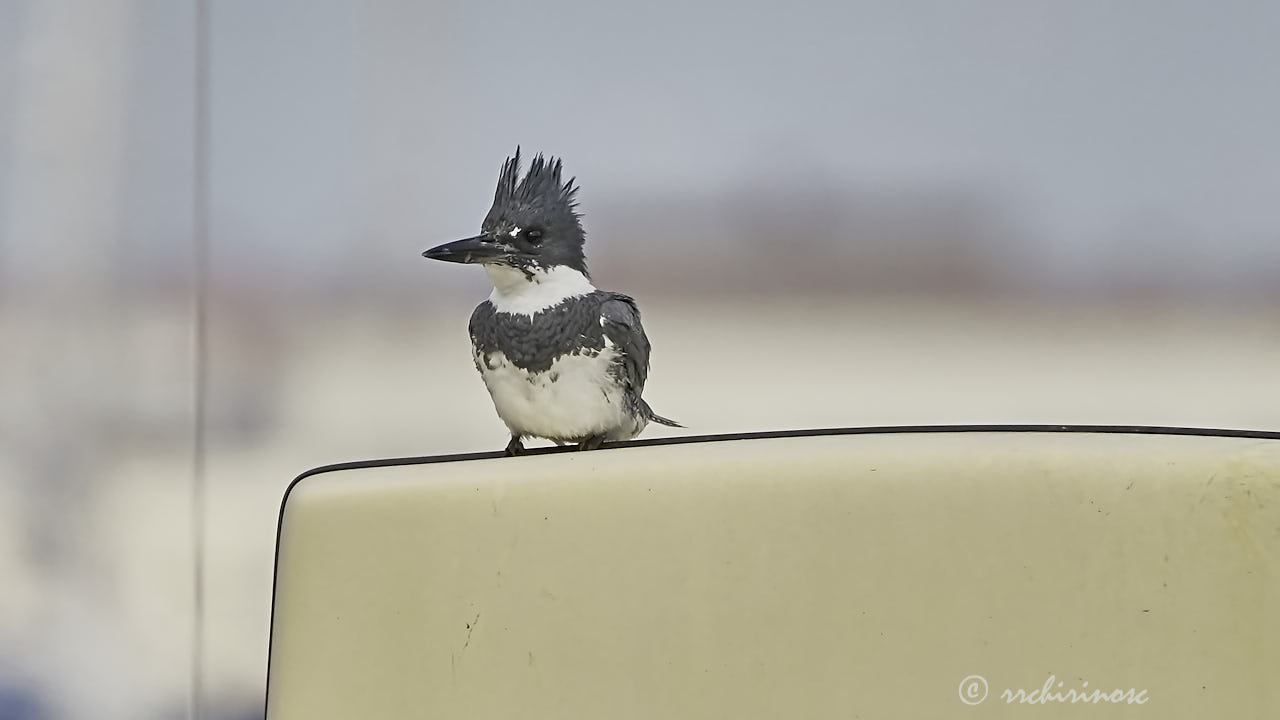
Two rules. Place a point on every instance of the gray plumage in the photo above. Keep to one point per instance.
(562, 359)
(578, 326)
(543, 201)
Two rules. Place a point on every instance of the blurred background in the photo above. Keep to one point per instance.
(832, 213)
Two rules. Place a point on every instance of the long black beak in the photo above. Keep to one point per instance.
(478, 249)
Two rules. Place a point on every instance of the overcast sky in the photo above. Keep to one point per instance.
(345, 132)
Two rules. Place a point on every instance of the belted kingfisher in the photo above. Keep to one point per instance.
(562, 359)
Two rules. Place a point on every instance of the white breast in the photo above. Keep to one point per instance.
(575, 399)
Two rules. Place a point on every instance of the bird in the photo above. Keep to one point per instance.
(562, 359)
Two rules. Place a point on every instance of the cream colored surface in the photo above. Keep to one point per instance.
(825, 577)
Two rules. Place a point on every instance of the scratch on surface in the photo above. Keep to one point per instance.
(471, 627)
(1204, 492)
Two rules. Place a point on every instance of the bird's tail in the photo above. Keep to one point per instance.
(655, 417)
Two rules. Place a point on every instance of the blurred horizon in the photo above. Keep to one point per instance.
(1110, 158)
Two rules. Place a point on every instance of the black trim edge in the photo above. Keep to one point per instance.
(689, 439)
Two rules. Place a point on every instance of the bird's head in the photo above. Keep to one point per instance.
(533, 224)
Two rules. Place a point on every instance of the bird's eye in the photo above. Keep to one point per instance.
(533, 235)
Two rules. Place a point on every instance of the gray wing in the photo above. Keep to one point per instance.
(479, 328)
(620, 319)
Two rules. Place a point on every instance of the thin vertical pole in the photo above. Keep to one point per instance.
(200, 349)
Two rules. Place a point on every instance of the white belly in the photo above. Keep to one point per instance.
(575, 399)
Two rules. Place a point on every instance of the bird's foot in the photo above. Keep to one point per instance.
(591, 443)
(515, 447)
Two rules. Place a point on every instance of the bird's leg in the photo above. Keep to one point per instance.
(515, 447)
(591, 442)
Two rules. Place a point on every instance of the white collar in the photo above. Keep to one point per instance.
(516, 293)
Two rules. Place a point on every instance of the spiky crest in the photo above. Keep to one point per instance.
(541, 185)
